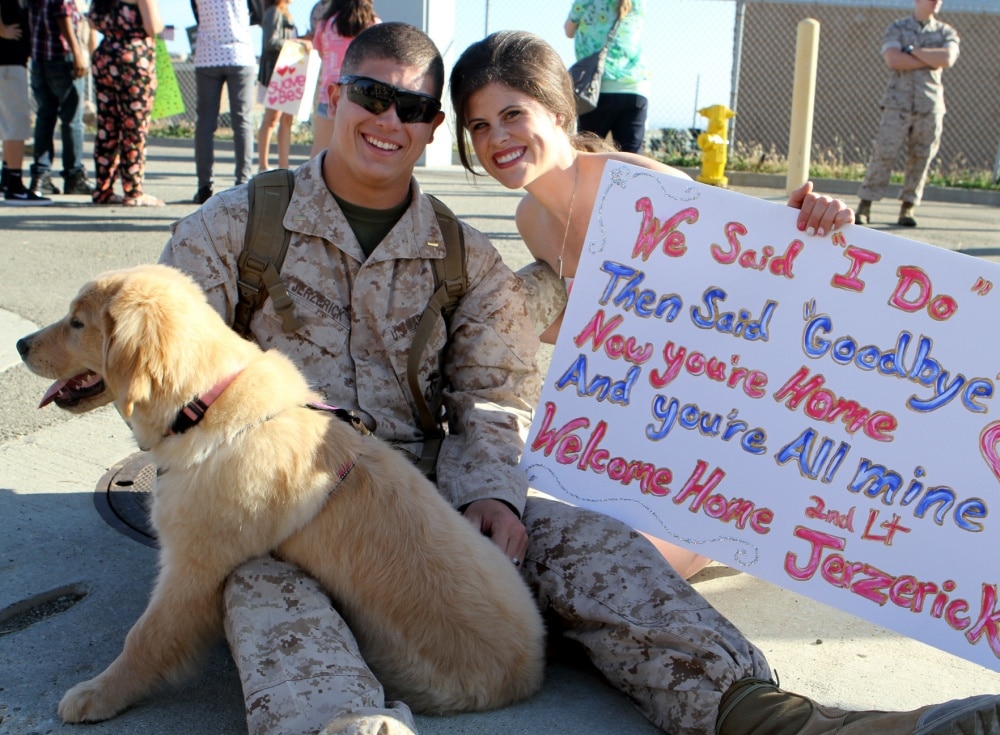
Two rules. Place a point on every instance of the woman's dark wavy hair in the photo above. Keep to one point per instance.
(524, 62)
(353, 16)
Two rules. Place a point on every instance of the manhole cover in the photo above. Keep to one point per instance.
(124, 495)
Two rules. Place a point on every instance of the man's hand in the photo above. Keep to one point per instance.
(10, 32)
(818, 214)
(497, 521)
(69, 35)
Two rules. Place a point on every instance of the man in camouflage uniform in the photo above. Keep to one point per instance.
(915, 49)
(362, 234)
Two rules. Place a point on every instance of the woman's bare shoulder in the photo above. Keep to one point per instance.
(531, 219)
(527, 209)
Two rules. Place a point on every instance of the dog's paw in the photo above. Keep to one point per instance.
(88, 701)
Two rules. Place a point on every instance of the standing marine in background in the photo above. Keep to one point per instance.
(915, 49)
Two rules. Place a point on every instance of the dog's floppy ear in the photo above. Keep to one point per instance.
(121, 367)
(140, 333)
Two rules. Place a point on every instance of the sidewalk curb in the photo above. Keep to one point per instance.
(845, 187)
(749, 179)
(12, 328)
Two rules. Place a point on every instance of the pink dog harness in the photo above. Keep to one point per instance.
(194, 412)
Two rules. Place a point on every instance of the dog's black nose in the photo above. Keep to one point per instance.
(22, 346)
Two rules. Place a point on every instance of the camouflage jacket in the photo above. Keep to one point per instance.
(919, 90)
(359, 317)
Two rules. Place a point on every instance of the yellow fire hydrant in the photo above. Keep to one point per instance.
(714, 144)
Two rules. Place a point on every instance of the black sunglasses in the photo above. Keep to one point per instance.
(377, 97)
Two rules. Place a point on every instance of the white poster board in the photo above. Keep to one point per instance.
(820, 412)
(293, 81)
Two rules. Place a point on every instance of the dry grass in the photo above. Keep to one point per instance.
(829, 163)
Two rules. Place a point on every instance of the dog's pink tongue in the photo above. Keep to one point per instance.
(52, 392)
(83, 380)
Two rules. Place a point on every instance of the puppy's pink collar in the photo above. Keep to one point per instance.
(194, 411)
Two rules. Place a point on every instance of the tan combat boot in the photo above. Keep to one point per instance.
(863, 214)
(906, 215)
(757, 707)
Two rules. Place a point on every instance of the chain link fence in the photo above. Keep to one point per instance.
(851, 78)
(741, 53)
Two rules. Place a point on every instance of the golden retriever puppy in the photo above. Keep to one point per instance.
(441, 615)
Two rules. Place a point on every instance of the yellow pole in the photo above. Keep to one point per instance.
(803, 97)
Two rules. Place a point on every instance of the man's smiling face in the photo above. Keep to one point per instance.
(371, 157)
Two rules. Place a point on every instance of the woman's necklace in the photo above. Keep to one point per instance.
(569, 218)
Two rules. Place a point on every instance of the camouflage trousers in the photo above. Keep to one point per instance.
(921, 134)
(642, 625)
(300, 667)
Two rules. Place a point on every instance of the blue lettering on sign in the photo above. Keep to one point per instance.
(741, 323)
(601, 387)
(898, 362)
(623, 292)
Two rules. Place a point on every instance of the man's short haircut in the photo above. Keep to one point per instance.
(400, 42)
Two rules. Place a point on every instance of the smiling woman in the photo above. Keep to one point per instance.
(514, 104)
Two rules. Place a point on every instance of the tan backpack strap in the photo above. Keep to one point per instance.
(451, 282)
(450, 271)
(264, 249)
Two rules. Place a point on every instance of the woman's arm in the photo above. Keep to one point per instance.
(151, 20)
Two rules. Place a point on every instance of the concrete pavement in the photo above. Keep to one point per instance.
(76, 584)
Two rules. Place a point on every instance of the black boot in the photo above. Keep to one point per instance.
(41, 185)
(758, 707)
(203, 195)
(76, 183)
(863, 214)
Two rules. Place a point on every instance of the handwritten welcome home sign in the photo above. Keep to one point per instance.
(821, 412)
